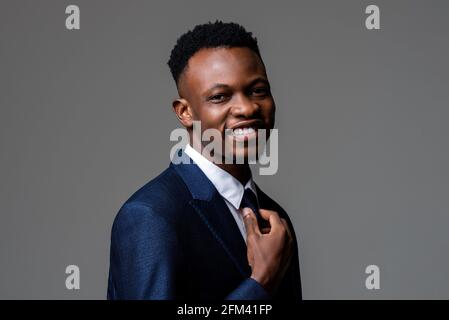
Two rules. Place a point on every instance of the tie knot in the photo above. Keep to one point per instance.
(249, 200)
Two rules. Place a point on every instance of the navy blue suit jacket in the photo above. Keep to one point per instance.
(175, 238)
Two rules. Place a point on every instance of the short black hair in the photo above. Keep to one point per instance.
(209, 35)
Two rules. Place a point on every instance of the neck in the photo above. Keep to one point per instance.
(241, 172)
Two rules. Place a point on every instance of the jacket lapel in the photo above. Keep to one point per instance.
(213, 211)
(215, 214)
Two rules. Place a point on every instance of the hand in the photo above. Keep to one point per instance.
(269, 251)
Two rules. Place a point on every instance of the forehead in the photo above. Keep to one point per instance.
(231, 66)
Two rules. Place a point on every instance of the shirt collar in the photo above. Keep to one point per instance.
(227, 186)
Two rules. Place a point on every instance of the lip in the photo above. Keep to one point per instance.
(256, 124)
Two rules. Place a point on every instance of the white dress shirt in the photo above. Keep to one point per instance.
(227, 186)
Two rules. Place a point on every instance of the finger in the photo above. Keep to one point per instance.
(250, 258)
(266, 213)
(289, 233)
(272, 217)
(249, 218)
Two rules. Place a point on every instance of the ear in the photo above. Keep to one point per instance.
(183, 112)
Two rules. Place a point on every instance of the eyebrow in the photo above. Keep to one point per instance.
(225, 86)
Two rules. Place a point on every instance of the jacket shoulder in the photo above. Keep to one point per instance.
(165, 195)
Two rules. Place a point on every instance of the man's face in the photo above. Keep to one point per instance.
(227, 88)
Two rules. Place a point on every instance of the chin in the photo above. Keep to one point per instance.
(244, 155)
(244, 149)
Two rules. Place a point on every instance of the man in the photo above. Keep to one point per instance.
(203, 230)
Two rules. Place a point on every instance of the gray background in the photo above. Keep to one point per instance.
(85, 120)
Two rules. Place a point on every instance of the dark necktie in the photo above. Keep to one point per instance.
(249, 200)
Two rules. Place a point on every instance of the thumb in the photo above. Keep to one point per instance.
(250, 220)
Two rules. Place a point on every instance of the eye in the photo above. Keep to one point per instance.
(260, 91)
(216, 98)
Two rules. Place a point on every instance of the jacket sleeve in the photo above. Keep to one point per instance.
(249, 289)
(143, 257)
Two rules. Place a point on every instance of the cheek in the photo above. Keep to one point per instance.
(213, 117)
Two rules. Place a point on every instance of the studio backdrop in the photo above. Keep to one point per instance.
(362, 112)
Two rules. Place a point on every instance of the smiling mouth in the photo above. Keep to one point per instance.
(245, 131)
(242, 133)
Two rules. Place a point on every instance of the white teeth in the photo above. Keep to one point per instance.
(244, 131)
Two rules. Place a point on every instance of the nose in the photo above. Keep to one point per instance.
(244, 107)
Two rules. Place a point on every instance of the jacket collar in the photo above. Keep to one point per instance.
(198, 184)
